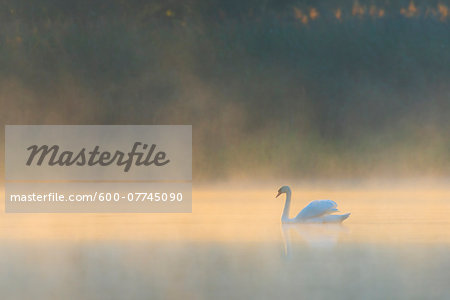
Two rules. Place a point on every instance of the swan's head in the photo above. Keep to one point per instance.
(283, 190)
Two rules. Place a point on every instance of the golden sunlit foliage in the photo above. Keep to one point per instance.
(338, 14)
(300, 15)
(358, 9)
(411, 11)
(376, 12)
(313, 13)
(443, 11)
(169, 13)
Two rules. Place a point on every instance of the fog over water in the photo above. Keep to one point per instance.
(394, 245)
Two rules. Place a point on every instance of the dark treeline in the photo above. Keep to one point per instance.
(208, 10)
(272, 88)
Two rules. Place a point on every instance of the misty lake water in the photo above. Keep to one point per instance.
(395, 245)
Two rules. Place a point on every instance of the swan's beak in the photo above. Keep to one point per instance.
(279, 193)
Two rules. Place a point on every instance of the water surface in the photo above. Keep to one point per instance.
(395, 245)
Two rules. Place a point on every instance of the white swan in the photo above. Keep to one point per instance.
(318, 211)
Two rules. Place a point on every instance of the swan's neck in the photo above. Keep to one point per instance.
(287, 206)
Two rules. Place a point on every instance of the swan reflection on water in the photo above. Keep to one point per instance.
(315, 236)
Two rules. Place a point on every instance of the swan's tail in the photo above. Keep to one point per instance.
(345, 216)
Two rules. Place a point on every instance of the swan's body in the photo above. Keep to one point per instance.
(318, 211)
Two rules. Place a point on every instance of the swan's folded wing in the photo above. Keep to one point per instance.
(317, 208)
